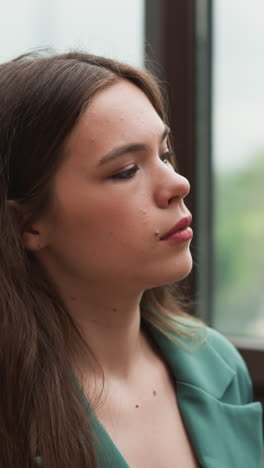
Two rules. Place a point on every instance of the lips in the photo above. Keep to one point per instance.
(183, 224)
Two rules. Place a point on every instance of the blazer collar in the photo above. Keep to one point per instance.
(192, 360)
(223, 433)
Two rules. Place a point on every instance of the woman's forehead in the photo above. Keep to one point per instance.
(116, 115)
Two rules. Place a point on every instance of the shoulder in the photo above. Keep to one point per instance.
(218, 357)
(203, 357)
(199, 336)
(218, 343)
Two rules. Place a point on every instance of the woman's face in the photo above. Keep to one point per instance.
(115, 196)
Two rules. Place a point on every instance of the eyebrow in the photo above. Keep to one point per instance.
(129, 148)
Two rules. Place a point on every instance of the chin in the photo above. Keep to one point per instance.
(177, 270)
(181, 272)
(187, 267)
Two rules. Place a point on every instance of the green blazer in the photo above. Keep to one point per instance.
(214, 393)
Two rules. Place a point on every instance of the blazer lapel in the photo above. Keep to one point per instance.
(223, 432)
(223, 435)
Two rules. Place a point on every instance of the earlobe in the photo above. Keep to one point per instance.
(31, 240)
(31, 236)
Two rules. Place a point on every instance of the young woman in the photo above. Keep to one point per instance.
(99, 365)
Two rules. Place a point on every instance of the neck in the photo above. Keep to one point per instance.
(110, 324)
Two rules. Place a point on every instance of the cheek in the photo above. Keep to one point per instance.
(103, 239)
(99, 223)
(105, 221)
(114, 215)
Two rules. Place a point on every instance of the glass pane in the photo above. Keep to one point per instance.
(238, 148)
(112, 28)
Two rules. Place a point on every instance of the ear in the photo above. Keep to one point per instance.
(32, 233)
(32, 239)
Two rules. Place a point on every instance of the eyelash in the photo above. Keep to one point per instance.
(129, 173)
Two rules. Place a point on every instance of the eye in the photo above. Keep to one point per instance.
(126, 174)
(168, 158)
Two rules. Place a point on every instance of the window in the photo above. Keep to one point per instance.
(113, 28)
(213, 68)
(238, 165)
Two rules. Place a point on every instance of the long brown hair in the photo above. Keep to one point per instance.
(41, 99)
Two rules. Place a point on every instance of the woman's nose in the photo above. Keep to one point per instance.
(174, 187)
